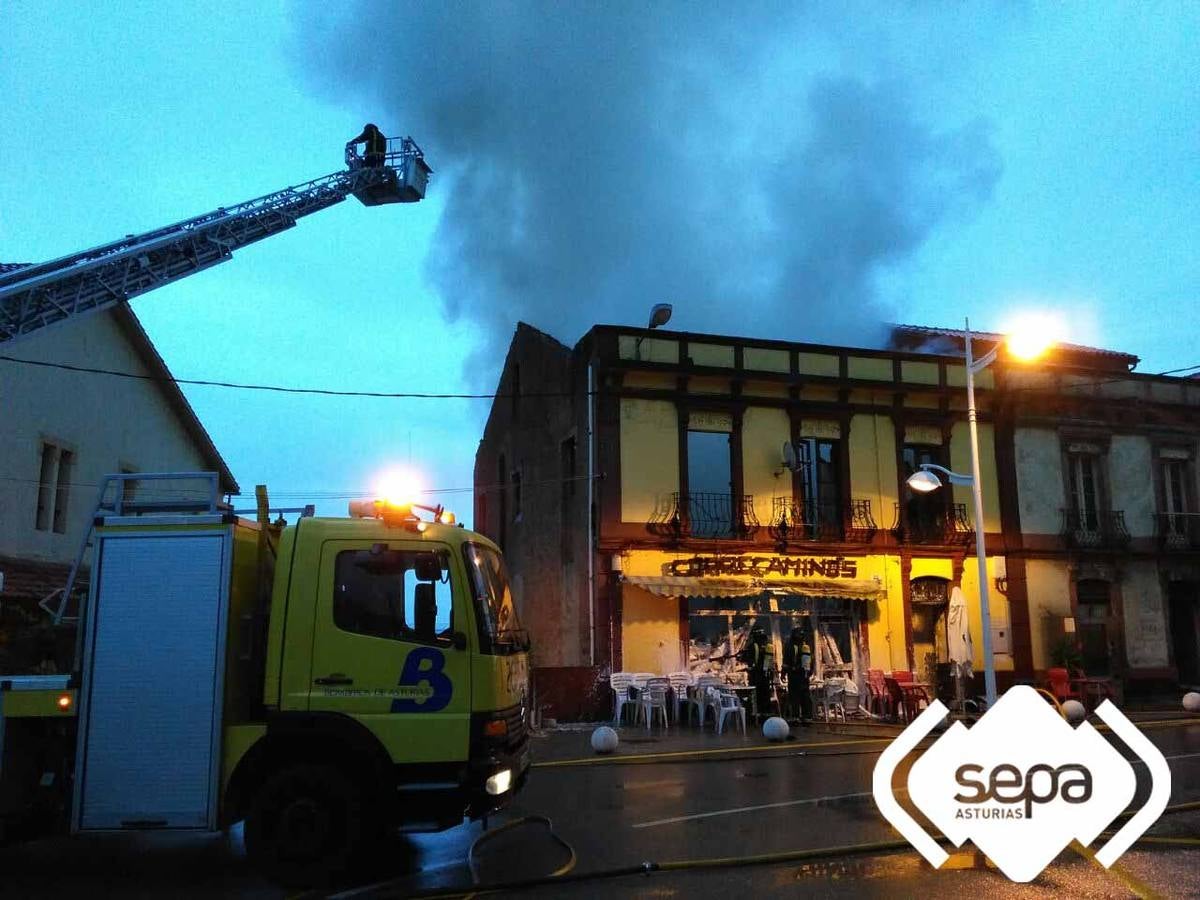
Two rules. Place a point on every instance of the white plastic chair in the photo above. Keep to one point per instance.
(835, 691)
(729, 705)
(698, 699)
(653, 697)
(620, 683)
(851, 701)
(712, 700)
(680, 682)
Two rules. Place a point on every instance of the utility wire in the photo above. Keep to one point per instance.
(275, 388)
(432, 395)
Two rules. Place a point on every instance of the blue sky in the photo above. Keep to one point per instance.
(1046, 156)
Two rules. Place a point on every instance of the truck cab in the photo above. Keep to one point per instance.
(324, 682)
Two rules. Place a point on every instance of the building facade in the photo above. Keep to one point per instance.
(63, 431)
(689, 487)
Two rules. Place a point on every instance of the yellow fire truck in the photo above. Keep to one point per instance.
(323, 681)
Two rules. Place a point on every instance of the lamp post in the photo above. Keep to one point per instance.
(924, 481)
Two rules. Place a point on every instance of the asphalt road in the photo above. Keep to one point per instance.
(723, 797)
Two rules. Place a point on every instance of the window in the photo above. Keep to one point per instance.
(1082, 469)
(54, 488)
(710, 477)
(499, 629)
(820, 490)
(396, 594)
(1175, 482)
(516, 492)
(926, 513)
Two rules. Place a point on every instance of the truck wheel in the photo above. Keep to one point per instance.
(304, 825)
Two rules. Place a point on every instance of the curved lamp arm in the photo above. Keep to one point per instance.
(952, 477)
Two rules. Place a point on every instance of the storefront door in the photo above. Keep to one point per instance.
(1185, 630)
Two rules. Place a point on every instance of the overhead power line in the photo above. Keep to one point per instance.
(434, 395)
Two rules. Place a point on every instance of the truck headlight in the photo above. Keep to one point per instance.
(499, 783)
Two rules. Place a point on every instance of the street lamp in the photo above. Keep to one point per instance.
(1026, 346)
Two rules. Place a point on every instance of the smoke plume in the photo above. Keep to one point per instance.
(596, 158)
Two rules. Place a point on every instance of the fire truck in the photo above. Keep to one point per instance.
(323, 682)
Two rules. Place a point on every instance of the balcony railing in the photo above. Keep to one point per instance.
(930, 523)
(796, 520)
(1178, 531)
(1095, 529)
(705, 516)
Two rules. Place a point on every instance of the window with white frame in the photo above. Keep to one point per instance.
(1083, 473)
(54, 488)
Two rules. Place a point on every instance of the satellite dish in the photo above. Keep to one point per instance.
(789, 455)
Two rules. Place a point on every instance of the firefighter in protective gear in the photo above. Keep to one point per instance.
(797, 666)
(375, 145)
(759, 657)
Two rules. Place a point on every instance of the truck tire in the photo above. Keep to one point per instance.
(305, 826)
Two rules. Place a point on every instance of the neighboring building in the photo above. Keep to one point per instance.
(64, 430)
(698, 530)
(1105, 465)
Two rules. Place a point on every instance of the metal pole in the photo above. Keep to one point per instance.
(985, 614)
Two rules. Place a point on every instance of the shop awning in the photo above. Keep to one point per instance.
(690, 586)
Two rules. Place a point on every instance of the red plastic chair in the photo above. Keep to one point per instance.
(903, 676)
(880, 699)
(1058, 683)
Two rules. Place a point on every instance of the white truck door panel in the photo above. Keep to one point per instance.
(150, 710)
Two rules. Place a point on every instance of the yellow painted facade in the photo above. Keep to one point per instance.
(649, 456)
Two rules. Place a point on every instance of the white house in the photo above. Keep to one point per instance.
(64, 430)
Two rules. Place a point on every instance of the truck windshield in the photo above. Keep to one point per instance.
(499, 630)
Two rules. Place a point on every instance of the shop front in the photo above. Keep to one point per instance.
(694, 613)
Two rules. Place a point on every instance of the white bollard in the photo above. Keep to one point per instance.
(604, 740)
(1191, 702)
(1074, 712)
(775, 729)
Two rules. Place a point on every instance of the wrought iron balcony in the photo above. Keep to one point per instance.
(923, 522)
(704, 516)
(795, 520)
(1178, 531)
(1095, 529)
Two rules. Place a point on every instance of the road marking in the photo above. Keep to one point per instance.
(744, 809)
(1167, 758)
(674, 754)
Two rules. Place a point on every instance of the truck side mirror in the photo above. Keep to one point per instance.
(424, 611)
(460, 640)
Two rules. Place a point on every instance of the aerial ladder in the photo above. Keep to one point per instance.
(35, 296)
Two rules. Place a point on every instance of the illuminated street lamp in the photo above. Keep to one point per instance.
(1026, 345)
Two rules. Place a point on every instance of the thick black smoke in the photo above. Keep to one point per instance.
(597, 158)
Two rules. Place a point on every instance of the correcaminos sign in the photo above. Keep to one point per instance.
(1021, 784)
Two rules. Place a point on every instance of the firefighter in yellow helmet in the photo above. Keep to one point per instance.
(797, 665)
(375, 145)
(759, 656)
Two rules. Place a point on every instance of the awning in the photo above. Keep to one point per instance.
(690, 586)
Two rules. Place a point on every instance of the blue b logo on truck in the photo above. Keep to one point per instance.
(429, 689)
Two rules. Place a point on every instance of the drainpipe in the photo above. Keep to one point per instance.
(591, 499)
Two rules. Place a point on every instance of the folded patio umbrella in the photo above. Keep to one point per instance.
(958, 633)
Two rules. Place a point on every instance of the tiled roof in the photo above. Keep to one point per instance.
(5, 268)
(32, 580)
(917, 331)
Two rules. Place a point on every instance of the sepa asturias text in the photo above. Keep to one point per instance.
(1007, 785)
